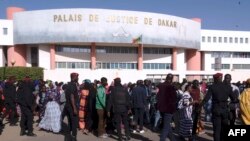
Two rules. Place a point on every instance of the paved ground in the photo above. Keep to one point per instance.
(10, 133)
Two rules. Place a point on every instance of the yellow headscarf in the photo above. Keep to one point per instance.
(245, 105)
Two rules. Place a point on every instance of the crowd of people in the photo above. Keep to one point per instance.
(96, 107)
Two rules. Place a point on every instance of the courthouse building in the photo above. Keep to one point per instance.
(99, 42)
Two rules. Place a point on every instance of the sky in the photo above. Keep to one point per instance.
(215, 14)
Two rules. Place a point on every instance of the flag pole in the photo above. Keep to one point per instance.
(142, 50)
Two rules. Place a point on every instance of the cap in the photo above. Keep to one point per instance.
(217, 75)
(117, 80)
(73, 74)
(86, 81)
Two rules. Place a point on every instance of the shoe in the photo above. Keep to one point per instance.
(13, 124)
(134, 131)
(73, 138)
(120, 139)
(154, 129)
(1, 123)
(142, 131)
(127, 138)
(104, 136)
(31, 135)
(22, 132)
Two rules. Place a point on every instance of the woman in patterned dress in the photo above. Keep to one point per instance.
(83, 109)
(52, 116)
(185, 113)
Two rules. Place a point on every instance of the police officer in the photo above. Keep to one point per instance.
(71, 106)
(10, 96)
(120, 101)
(25, 99)
(220, 93)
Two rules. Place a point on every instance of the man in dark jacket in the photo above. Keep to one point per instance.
(10, 100)
(139, 102)
(120, 101)
(220, 92)
(166, 103)
(26, 100)
(72, 106)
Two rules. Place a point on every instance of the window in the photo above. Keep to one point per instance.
(116, 65)
(241, 40)
(156, 66)
(241, 66)
(209, 39)
(225, 39)
(230, 40)
(246, 40)
(123, 50)
(220, 39)
(214, 39)
(241, 55)
(236, 40)
(5, 31)
(98, 65)
(73, 49)
(149, 50)
(203, 39)
(73, 65)
(61, 65)
(101, 50)
(223, 66)
(221, 54)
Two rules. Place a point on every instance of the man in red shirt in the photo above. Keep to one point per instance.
(166, 103)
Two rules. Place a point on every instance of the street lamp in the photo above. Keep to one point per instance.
(13, 62)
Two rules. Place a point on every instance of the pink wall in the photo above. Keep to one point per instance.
(197, 19)
(202, 60)
(174, 59)
(52, 57)
(11, 10)
(93, 56)
(20, 55)
(140, 57)
(10, 55)
(16, 53)
(193, 58)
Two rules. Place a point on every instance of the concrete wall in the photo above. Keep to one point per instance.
(235, 47)
(104, 26)
(6, 39)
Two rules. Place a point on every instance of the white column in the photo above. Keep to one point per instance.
(181, 64)
(2, 60)
(44, 56)
(28, 56)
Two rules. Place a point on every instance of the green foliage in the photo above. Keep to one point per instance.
(21, 72)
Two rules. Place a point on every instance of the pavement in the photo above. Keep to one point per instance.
(11, 133)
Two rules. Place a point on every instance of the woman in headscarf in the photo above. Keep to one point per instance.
(83, 109)
(245, 104)
(52, 116)
(185, 113)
